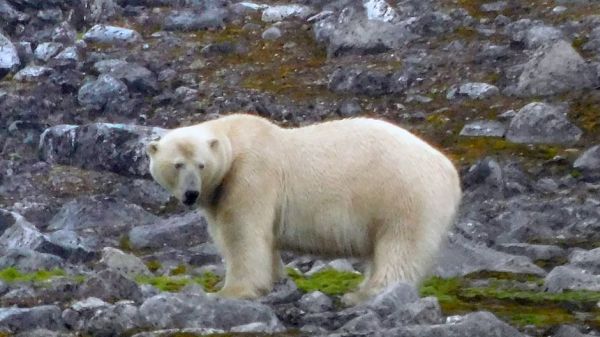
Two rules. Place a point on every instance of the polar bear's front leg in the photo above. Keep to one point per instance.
(247, 244)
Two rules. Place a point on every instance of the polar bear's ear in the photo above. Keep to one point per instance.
(152, 148)
(213, 143)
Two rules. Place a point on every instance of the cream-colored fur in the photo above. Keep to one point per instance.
(356, 187)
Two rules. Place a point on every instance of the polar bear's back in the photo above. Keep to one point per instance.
(360, 174)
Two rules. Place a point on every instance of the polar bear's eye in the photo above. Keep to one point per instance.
(178, 166)
(201, 166)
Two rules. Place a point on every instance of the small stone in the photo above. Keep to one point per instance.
(102, 91)
(349, 108)
(32, 73)
(474, 91)
(483, 129)
(282, 12)
(272, 33)
(315, 301)
(45, 51)
(111, 35)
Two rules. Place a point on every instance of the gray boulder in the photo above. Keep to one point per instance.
(553, 69)
(541, 123)
(461, 257)
(103, 91)
(23, 319)
(28, 260)
(111, 35)
(588, 260)
(114, 320)
(197, 310)
(352, 32)
(136, 77)
(589, 163)
(100, 221)
(479, 324)
(180, 231)
(111, 286)
(119, 148)
(571, 278)
(78, 313)
(9, 58)
(534, 252)
(368, 82)
(315, 301)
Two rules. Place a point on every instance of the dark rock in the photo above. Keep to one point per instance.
(102, 92)
(541, 123)
(118, 148)
(111, 286)
(368, 82)
(424, 311)
(568, 331)
(368, 323)
(100, 221)
(22, 319)
(78, 313)
(114, 320)
(178, 232)
(284, 291)
(136, 77)
(392, 299)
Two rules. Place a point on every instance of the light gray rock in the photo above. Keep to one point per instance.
(9, 58)
(111, 286)
(474, 90)
(379, 10)
(534, 252)
(197, 310)
(100, 221)
(568, 331)
(32, 73)
(571, 278)
(22, 319)
(119, 148)
(541, 123)
(127, 264)
(540, 35)
(271, 33)
(588, 260)
(479, 324)
(111, 35)
(78, 313)
(315, 301)
(349, 108)
(496, 6)
(353, 33)
(188, 20)
(114, 320)
(100, 10)
(180, 231)
(45, 51)
(105, 90)
(69, 53)
(28, 260)
(483, 129)
(338, 264)
(589, 162)
(553, 69)
(283, 12)
(461, 257)
(105, 66)
(368, 323)
(392, 299)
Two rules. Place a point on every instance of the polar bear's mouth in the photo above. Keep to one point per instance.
(190, 197)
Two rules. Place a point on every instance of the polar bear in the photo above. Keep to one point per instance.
(347, 188)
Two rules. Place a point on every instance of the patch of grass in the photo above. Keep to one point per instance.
(175, 283)
(125, 243)
(329, 281)
(179, 270)
(12, 274)
(153, 265)
(518, 307)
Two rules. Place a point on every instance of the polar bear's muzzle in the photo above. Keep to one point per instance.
(190, 197)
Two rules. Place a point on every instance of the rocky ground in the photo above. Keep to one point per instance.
(90, 246)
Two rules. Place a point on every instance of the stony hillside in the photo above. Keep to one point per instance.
(90, 246)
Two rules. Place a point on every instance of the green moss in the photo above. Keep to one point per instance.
(179, 270)
(329, 281)
(575, 173)
(153, 265)
(578, 43)
(11, 274)
(517, 306)
(125, 244)
(175, 283)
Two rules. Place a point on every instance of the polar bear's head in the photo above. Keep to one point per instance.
(187, 162)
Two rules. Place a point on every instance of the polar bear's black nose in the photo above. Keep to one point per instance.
(189, 197)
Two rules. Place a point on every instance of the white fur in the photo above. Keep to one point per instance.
(356, 187)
